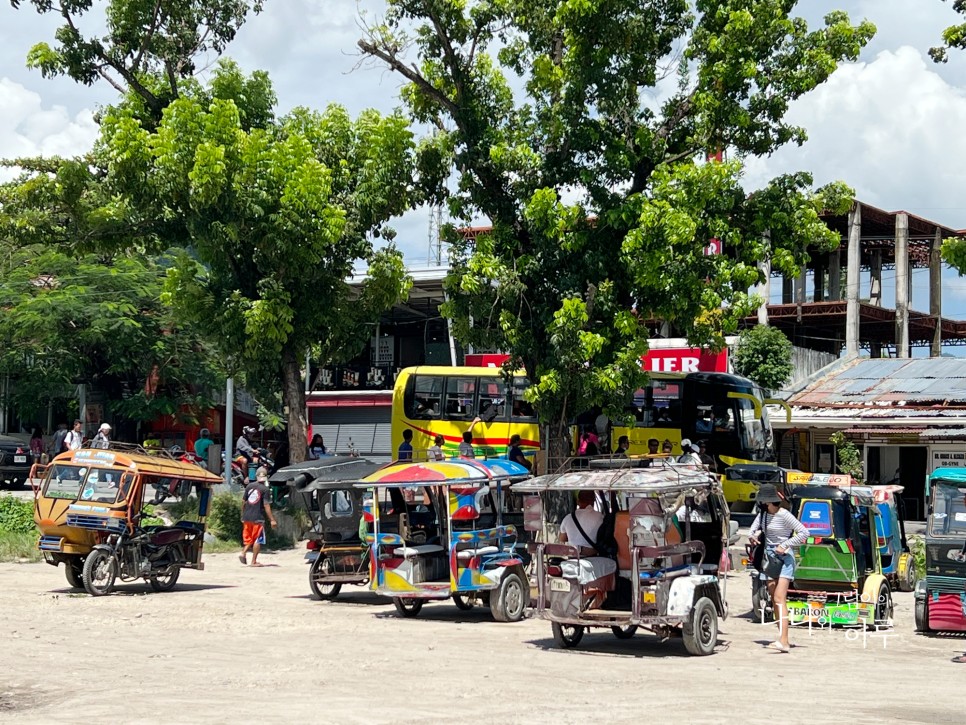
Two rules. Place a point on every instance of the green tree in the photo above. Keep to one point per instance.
(763, 354)
(72, 318)
(849, 456)
(146, 46)
(581, 130)
(953, 37)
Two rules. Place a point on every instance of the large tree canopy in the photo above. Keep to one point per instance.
(581, 131)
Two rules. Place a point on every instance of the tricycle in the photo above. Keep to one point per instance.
(940, 596)
(438, 533)
(90, 509)
(838, 575)
(324, 489)
(658, 559)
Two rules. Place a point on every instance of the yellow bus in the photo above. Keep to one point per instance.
(726, 411)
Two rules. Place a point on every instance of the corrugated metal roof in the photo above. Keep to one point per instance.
(879, 412)
(944, 433)
(931, 383)
(885, 430)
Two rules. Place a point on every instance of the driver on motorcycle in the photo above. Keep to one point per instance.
(243, 447)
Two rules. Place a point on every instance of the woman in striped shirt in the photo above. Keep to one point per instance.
(782, 532)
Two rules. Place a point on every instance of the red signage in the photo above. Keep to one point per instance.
(714, 247)
(685, 360)
(486, 360)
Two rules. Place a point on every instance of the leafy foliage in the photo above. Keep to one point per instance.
(594, 175)
(224, 517)
(849, 456)
(148, 46)
(16, 516)
(953, 37)
(763, 354)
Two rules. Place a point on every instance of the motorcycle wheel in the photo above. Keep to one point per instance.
(100, 571)
(74, 570)
(320, 568)
(164, 582)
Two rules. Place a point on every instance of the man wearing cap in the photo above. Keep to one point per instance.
(255, 509)
(690, 455)
(103, 438)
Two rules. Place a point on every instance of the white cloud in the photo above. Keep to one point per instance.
(28, 128)
(890, 128)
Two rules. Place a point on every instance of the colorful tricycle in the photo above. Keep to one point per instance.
(438, 533)
(941, 596)
(659, 560)
(838, 576)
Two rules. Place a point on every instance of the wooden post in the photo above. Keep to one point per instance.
(936, 292)
(835, 274)
(853, 262)
(902, 285)
(875, 286)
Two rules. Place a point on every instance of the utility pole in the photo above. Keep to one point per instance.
(229, 428)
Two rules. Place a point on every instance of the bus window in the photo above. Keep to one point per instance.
(665, 403)
(752, 429)
(460, 399)
(492, 400)
(521, 409)
(427, 399)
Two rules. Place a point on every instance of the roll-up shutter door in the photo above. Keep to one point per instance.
(367, 429)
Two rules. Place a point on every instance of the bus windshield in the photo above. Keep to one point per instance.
(949, 510)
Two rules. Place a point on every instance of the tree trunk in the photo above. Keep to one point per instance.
(294, 399)
(555, 439)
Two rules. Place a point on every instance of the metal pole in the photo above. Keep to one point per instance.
(229, 428)
(82, 407)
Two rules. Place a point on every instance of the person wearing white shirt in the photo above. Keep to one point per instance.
(589, 519)
(74, 438)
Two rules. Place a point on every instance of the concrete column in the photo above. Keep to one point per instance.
(936, 293)
(835, 274)
(800, 293)
(819, 279)
(875, 288)
(902, 285)
(854, 261)
(764, 290)
(788, 290)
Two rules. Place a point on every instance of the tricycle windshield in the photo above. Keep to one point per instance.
(83, 483)
(949, 510)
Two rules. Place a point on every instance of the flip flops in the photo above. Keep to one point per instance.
(779, 647)
(961, 660)
(243, 559)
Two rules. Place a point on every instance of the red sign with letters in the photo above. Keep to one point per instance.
(486, 360)
(685, 360)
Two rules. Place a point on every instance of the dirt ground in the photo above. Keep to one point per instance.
(234, 644)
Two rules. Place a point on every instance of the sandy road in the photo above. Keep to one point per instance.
(233, 645)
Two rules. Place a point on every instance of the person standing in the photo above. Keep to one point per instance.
(782, 531)
(75, 438)
(255, 510)
(436, 450)
(103, 438)
(515, 453)
(690, 453)
(202, 445)
(37, 444)
(406, 447)
(57, 445)
(466, 447)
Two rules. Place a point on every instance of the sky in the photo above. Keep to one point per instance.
(891, 125)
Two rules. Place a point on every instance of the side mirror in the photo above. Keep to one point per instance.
(733, 535)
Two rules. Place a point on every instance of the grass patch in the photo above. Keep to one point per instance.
(16, 546)
(220, 546)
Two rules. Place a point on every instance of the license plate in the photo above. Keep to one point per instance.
(20, 459)
(649, 598)
(559, 585)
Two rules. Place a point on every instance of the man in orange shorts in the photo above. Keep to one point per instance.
(254, 510)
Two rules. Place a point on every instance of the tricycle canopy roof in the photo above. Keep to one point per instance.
(630, 480)
(952, 475)
(457, 471)
(859, 495)
(139, 463)
(327, 472)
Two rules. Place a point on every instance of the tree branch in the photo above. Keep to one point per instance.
(409, 73)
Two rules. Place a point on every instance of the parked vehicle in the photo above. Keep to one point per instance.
(438, 533)
(90, 508)
(15, 461)
(337, 550)
(940, 594)
(838, 576)
(670, 529)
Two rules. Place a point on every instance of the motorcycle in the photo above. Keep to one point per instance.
(153, 553)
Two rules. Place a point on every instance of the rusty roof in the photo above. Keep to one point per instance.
(884, 383)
